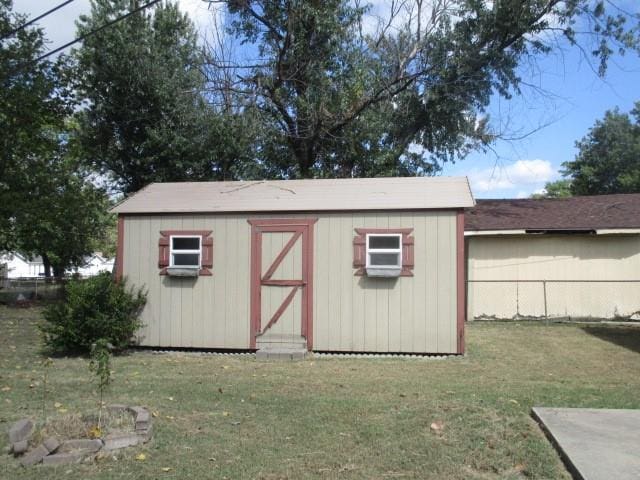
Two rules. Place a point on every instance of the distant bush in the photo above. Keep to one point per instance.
(93, 309)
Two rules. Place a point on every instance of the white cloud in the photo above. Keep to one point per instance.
(523, 173)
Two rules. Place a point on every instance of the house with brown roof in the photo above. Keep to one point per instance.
(573, 257)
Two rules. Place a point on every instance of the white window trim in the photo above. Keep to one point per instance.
(383, 250)
(179, 251)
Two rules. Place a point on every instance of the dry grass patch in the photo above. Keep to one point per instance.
(79, 426)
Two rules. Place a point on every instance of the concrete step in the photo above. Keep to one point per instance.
(281, 354)
(281, 341)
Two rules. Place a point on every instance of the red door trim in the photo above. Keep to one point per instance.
(460, 280)
(299, 226)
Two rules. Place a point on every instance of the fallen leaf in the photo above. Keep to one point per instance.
(437, 426)
(154, 414)
(166, 469)
(141, 457)
(57, 404)
(225, 367)
(6, 389)
(62, 410)
(514, 401)
(171, 398)
(169, 417)
(225, 414)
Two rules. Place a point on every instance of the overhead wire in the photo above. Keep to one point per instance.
(84, 36)
(34, 20)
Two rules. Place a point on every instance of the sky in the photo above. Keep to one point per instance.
(544, 122)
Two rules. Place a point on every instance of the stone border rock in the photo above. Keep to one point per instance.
(52, 452)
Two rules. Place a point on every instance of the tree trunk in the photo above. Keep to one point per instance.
(47, 265)
(58, 271)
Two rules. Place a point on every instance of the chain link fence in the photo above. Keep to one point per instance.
(553, 299)
(25, 290)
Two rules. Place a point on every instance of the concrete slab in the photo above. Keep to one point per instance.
(596, 444)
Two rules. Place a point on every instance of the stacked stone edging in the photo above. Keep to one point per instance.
(52, 452)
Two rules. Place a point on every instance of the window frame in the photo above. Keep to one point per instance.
(172, 251)
(398, 251)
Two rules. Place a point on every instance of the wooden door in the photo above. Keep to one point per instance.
(281, 279)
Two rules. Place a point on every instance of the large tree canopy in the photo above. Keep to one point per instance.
(608, 159)
(48, 205)
(29, 109)
(146, 119)
(336, 97)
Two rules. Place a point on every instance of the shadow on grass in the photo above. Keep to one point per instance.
(627, 337)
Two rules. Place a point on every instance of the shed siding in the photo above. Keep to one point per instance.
(350, 313)
(558, 257)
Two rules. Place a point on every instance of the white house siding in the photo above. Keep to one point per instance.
(350, 313)
(603, 260)
(19, 267)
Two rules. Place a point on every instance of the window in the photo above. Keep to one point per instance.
(185, 251)
(180, 251)
(384, 251)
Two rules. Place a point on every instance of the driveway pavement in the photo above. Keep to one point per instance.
(597, 444)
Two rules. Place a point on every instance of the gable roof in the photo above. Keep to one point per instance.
(390, 193)
(9, 256)
(569, 214)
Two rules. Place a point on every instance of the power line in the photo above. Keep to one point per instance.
(32, 21)
(84, 36)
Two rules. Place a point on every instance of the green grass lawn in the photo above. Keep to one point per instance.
(232, 417)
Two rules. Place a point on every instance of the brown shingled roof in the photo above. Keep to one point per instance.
(575, 213)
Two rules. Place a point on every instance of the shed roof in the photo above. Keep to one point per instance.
(390, 193)
(575, 213)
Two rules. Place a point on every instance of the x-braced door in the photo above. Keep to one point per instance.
(281, 279)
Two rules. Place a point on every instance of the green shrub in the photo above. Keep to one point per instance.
(93, 309)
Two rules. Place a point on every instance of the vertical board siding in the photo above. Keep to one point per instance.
(504, 260)
(350, 313)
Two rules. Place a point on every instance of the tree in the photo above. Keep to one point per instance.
(62, 214)
(335, 99)
(32, 103)
(608, 159)
(558, 189)
(48, 204)
(146, 119)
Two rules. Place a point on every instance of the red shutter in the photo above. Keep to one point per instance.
(359, 254)
(207, 255)
(407, 255)
(163, 253)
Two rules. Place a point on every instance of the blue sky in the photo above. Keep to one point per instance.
(574, 99)
(577, 98)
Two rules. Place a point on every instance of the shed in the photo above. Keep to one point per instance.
(575, 257)
(349, 265)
